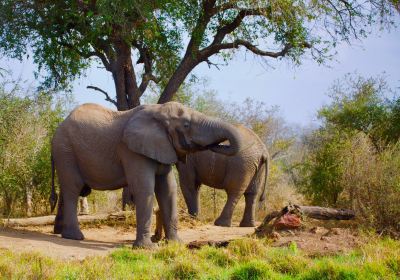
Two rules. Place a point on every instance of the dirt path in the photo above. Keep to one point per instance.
(99, 241)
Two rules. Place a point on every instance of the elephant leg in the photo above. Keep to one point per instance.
(71, 185)
(71, 225)
(248, 219)
(166, 194)
(140, 173)
(144, 202)
(225, 219)
(58, 222)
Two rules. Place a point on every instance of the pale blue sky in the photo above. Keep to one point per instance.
(299, 92)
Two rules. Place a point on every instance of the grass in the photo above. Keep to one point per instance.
(242, 259)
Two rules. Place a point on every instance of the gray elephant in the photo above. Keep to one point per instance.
(98, 148)
(242, 174)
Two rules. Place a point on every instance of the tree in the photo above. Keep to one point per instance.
(168, 39)
(364, 105)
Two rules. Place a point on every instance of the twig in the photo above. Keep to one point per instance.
(108, 98)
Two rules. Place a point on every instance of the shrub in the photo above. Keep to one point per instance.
(353, 159)
(27, 123)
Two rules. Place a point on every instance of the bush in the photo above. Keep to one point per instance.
(353, 159)
(27, 123)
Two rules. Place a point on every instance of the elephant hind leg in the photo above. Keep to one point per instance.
(71, 185)
(248, 219)
(225, 219)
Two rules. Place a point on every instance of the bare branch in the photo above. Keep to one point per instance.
(108, 98)
(211, 64)
(213, 49)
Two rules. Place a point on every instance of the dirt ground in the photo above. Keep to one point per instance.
(100, 240)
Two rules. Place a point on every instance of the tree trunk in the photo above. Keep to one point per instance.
(127, 91)
(179, 76)
(28, 200)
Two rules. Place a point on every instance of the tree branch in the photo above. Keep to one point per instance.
(146, 59)
(230, 27)
(108, 98)
(213, 49)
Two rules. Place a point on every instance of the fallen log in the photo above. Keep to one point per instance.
(323, 213)
(49, 220)
(314, 212)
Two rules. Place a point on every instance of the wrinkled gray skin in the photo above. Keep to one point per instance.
(242, 174)
(98, 148)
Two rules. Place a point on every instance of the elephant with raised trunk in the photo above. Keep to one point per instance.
(102, 149)
(245, 173)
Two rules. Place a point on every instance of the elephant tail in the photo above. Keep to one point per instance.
(263, 169)
(53, 196)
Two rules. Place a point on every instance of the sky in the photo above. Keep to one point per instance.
(298, 91)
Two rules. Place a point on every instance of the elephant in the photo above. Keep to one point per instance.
(242, 174)
(102, 149)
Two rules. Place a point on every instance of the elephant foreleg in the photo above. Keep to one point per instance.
(144, 202)
(166, 194)
(225, 219)
(248, 219)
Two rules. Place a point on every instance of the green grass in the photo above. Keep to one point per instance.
(242, 259)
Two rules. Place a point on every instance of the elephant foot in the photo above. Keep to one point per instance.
(222, 222)
(247, 224)
(144, 244)
(75, 234)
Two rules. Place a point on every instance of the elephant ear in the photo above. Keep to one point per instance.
(145, 135)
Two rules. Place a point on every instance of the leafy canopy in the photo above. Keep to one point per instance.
(64, 37)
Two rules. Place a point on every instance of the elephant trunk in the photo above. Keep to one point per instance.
(225, 131)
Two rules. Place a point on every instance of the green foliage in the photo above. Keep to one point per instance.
(354, 157)
(365, 105)
(323, 167)
(65, 37)
(26, 127)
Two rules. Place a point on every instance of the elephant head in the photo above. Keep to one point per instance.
(167, 132)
